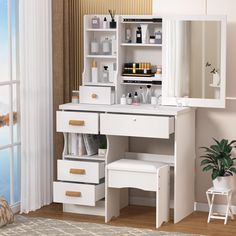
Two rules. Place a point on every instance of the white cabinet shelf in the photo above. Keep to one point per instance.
(101, 56)
(92, 158)
(141, 45)
(140, 78)
(100, 30)
(99, 84)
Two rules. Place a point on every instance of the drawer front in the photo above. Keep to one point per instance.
(96, 95)
(81, 194)
(137, 125)
(77, 122)
(80, 171)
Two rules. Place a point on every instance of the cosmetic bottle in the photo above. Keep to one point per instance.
(123, 100)
(141, 95)
(129, 99)
(158, 37)
(106, 46)
(139, 35)
(105, 23)
(94, 71)
(105, 75)
(136, 98)
(148, 94)
(95, 23)
(128, 35)
(94, 48)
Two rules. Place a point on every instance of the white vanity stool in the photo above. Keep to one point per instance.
(213, 215)
(145, 175)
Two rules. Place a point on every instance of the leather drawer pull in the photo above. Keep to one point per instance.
(77, 122)
(77, 171)
(94, 95)
(73, 194)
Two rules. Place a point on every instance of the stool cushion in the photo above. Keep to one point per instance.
(135, 165)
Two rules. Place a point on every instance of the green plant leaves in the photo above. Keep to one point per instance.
(215, 174)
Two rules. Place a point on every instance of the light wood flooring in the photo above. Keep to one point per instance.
(144, 217)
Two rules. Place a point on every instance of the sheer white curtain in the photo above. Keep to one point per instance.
(178, 56)
(36, 103)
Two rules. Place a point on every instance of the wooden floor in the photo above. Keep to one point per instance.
(144, 217)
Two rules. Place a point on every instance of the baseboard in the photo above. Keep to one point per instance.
(146, 201)
(15, 207)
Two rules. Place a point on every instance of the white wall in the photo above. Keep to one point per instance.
(218, 123)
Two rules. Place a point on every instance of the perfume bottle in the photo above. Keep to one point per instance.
(136, 98)
(105, 23)
(129, 99)
(95, 22)
(128, 35)
(158, 37)
(94, 47)
(106, 46)
(139, 35)
(148, 94)
(105, 75)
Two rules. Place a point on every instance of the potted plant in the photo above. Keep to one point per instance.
(215, 74)
(218, 159)
(102, 145)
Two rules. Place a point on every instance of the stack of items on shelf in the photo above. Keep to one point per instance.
(142, 97)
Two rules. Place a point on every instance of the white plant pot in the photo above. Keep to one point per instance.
(102, 152)
(223, 183)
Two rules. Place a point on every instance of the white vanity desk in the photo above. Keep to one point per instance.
(119, 123)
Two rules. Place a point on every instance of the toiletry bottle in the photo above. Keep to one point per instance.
(123, 100)
(148, 94)
(129, 99)
(94, 47)
(105, 75)
(105, 23)
(128, 35)
(136, 98)
(94, 71)
(106, 46)
(139, 35)
(158, 37)
(95, 22)
(141, 96)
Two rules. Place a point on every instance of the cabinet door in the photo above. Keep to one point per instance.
(194, 61)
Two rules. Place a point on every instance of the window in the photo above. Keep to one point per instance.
(9, 103)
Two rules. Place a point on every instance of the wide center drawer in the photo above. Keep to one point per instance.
(81, 194)
(137, 125)
(77, 122)
(80, 171)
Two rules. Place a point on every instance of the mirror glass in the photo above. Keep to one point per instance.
(193, 58)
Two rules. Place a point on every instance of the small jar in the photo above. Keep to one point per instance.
(158, 37)
(123, 100)
(152, 39)
(75, 97)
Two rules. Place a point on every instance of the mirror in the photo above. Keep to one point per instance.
(194, 61)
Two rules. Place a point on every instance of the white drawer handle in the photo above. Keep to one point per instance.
(77, 122)
(77, 171)
(94, 95)
(73, 194)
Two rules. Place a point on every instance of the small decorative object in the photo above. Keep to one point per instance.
(158, 37)
(95, 23)
(105, 23)
(94, 71)
(75, 97)
(215, 73)
(113, 22)
(218, 158)
(6, 214)
(152, 39)
(94, 48)
(139, 35)
(129, 99)
(106, 46)
(105, 75)
(123, 100)
(128, 35)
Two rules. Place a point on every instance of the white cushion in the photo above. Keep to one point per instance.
(135, 165)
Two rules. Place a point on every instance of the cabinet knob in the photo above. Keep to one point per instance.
(77, 122)
(73, 194)
(134, 119)
(94, 95)
(77, 171)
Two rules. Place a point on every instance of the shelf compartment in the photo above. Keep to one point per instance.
(91, 158)
(141, 45)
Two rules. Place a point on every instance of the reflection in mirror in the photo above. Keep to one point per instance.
(193, 58)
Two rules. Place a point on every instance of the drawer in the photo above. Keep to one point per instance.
(80, 171)
(137, 125)
(81, 194)
(96, 95)
(77, 122)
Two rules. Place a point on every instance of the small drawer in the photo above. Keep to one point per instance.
(77, 122)
(137, 125)
(81, 194)
(80, 171)
(96, 95)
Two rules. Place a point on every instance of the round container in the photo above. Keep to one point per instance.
(152, 39)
